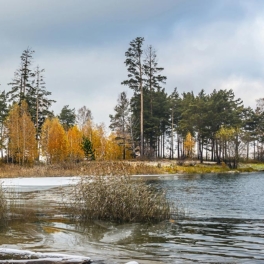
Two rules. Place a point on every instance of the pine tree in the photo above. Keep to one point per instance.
(153, 78)
(174, 109)
(134, 63)
(67, 117)
(29, 85)
(87, 148)
(22, 82)
(152, 85)
(38, 100)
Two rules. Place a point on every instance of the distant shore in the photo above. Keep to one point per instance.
(122, 168)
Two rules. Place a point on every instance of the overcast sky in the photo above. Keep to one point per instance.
(81, 44)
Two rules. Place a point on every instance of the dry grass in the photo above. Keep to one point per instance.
(203, 168)
(198, 168)
(95, 168)
(119, 168)
(119, 199)
(257, 166)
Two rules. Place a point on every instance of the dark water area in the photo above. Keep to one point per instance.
(222, 221)
(224, 218)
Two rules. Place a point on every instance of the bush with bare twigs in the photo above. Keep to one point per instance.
(119, 199)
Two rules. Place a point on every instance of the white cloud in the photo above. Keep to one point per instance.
(90, 78)
(247, 89)
(217, 56)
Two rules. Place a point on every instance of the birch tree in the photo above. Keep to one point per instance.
(119, 122)
(75, 139)
(54, 144)
(3, 115)
(22, 145)
(83, 115)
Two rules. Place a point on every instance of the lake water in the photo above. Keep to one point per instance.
(222, 222)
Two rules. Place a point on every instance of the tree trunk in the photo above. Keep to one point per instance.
(24, 140)
(201, 151)
(178, 147)
(172, 134)
(163, 145)
(254, 153)
(141, 112)
(217, 152)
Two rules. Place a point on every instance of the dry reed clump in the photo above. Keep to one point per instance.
(118, 168)
(119, 199)
(3, 207)
(15, 170)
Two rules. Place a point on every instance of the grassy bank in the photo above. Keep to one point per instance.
(93, 168)
(119, 168)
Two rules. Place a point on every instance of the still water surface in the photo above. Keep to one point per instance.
(223, 223)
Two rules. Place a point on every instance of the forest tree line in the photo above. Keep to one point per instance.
(150, 124)
(213, 126)
(30, 131)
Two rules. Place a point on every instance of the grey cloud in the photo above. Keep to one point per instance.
(81, 44)
(220, 55)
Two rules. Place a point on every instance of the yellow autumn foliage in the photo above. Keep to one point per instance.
(57, 145)
(106, 146)
(189, 145)
(113, 150)
(22, 144)
(54, 144)
(74, 137)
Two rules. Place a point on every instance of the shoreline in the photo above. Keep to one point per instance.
(119, 168)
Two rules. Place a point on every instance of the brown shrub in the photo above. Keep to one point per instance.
(119, 199)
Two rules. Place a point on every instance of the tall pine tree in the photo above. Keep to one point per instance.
(135, 81)
(22, 82)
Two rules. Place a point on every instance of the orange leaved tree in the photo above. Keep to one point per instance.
(75, 138)
(96, 134)
(22, 144)
(105, 147)
(189, 145)
(54, 144)
(113, 150)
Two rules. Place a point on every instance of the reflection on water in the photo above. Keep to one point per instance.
(224, 224)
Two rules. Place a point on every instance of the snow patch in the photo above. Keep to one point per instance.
(57, 257)
(38, 183)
